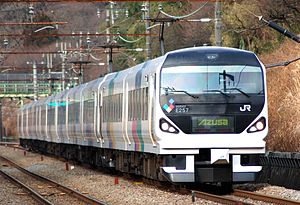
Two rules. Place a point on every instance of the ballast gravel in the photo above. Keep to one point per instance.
(13, 195)
(106, 187)
(96, 183)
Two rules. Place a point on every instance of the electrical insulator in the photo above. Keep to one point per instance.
(127, 13)
(31, 10)
(160, 7)
(5, 42)
(143, 9)
(98, 13)
(88, 39)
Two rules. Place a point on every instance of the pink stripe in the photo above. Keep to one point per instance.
(135, 136)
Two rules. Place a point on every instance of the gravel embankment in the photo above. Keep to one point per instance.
(96, 183)
(13, 195)
(101, 185)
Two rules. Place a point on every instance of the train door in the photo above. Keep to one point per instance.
(125, 113)
(95, 121)
(99, 119)
(151, 101)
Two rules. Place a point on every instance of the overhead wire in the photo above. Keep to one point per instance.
(129, 41)
(184, 16)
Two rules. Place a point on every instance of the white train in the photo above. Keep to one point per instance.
(194, 115)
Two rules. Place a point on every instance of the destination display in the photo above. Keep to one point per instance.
(213, 124)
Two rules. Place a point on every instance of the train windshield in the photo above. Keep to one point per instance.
(226, 80)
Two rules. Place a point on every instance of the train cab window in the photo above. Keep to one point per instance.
(211, 71)
(204, 80)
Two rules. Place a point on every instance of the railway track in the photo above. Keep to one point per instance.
(35, 195)
(237, 197)
(44, 190)
(263, 197)
(242, 195)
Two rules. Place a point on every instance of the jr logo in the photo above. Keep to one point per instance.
(245, 108)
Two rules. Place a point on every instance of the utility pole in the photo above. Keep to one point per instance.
(63, 65)
(1, 124)
(218, 23)
(110, 46)
(34, 79)
(161, 22)
(148, 31)
(79, 64)
(49, 66)
(108, 40)
(35, 89)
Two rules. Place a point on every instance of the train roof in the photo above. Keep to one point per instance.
(209, 49)
(198, 56)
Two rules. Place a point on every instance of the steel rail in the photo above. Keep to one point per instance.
(218, 199)
(263, 197)
(35, 195)
(87, 199)
(9, 144)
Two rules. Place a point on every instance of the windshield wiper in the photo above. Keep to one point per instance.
(218, 91)
(178, 91)
(239, 91)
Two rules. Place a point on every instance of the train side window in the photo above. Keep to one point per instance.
(104, 110)
(137, 114)
(139, 98)
(134, 103)
(130, 106)
(110, 109)
(137, 101)
(119, 107)
(114, 108)
(146, 102)
(143, 105)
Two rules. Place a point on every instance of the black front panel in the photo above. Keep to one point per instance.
(212, 90)
(194, 117)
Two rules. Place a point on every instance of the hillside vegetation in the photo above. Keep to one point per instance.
(284, 99)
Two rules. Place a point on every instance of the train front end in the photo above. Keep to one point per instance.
(211, 115)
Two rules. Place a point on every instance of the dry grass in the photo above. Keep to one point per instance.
(284, 100)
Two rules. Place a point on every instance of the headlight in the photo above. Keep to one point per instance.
(167, 127)
(259, 125)
(164, 126)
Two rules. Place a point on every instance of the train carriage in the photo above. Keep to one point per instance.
(195, 115)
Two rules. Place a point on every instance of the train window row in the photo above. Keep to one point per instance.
(112, 111)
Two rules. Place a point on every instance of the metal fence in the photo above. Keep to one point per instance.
(22, 85)
(281, 169)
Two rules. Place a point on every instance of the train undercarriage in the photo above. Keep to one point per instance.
(147, 165)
